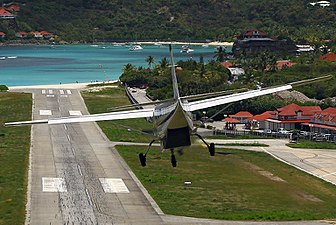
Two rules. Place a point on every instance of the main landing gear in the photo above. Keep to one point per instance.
(211, 146)
(142, 157)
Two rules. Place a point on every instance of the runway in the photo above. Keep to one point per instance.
(76, 176)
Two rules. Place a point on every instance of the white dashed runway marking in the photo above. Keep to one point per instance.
(45, 113)
(75, 113)
(51, 184)
(113, 185)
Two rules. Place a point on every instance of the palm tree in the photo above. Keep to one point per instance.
(220, 54)
(164, 63)
(150, 61)
(128, 68)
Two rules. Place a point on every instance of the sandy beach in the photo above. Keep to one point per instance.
(214, 43)
(61, 86)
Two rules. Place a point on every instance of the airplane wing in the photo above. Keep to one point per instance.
(141, 113)
(215, 101)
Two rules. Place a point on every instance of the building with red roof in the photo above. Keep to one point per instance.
(13, 8)
(322, 122)
(291, 116)
(254, 33)
(329, 56)
(21, 34)
(2, 34)
(242, 116)
(227, 64)
(4, 14)
(281, 64)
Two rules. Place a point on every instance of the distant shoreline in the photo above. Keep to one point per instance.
(61, 86)
(213, 43)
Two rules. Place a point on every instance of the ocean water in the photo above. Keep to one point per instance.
(34, 65)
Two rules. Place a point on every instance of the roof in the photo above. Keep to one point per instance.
(236, 71)
(292, 109)
(287, 121)
(282, 63)
(4, 12)
(260, 117)
(320, 126)
(329, 56)
(231, 120)
(227, 64)
(254, 32)
(13, 8)
(2, 33)
(242, 114)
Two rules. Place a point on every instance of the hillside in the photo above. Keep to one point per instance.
(177, 19)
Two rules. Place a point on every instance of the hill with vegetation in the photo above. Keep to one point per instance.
(177, 19)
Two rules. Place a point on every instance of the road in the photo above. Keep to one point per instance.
(76, 177)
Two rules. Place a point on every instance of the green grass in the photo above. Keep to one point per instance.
(230, 186)
(312, 144)
(119, 130)
(14, 157)
(227, 186)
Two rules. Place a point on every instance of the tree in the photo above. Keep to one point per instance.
(150, 61)
(220, 54)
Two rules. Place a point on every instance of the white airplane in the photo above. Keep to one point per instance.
(172, 118)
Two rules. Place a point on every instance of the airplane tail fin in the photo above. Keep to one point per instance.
(173, 73)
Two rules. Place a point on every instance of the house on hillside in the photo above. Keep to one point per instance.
(4, 14)
(321, 4)
(227, 64)
(13, 8)
(21, 34)
(46, 34)
(2, 35)
(235, 73)
(322, 122)
(329, 57)
(36, 34)
(290, 117)
(254, 41)
(282, 64)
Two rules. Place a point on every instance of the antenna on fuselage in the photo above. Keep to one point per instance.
(173, 73)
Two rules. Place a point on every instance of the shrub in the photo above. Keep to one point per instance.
(3, 87)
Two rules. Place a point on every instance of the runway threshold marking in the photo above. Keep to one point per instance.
(61, 92)
(68, 92)
(53, 184)
(75, 113)
(45, 112)
(43, 92)
(51, 92)
(113, 185)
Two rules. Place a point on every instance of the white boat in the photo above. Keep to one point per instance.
(205, 46)
(135, 48)
(11, 57)
(2, 57)
(186, 49)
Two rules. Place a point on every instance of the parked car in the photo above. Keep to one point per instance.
(282, 131)
(268, 131)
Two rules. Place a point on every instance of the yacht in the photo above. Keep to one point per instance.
(135, 48)
(2, 57)
(186, 49)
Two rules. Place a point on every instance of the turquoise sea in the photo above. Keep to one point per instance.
(33, 65)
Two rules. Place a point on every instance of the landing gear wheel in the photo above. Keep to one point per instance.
(212, 149)
(142, 159)
(173, 160)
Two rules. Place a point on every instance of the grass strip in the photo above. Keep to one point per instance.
(233, 185)
(14, 157)
(312, 145)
